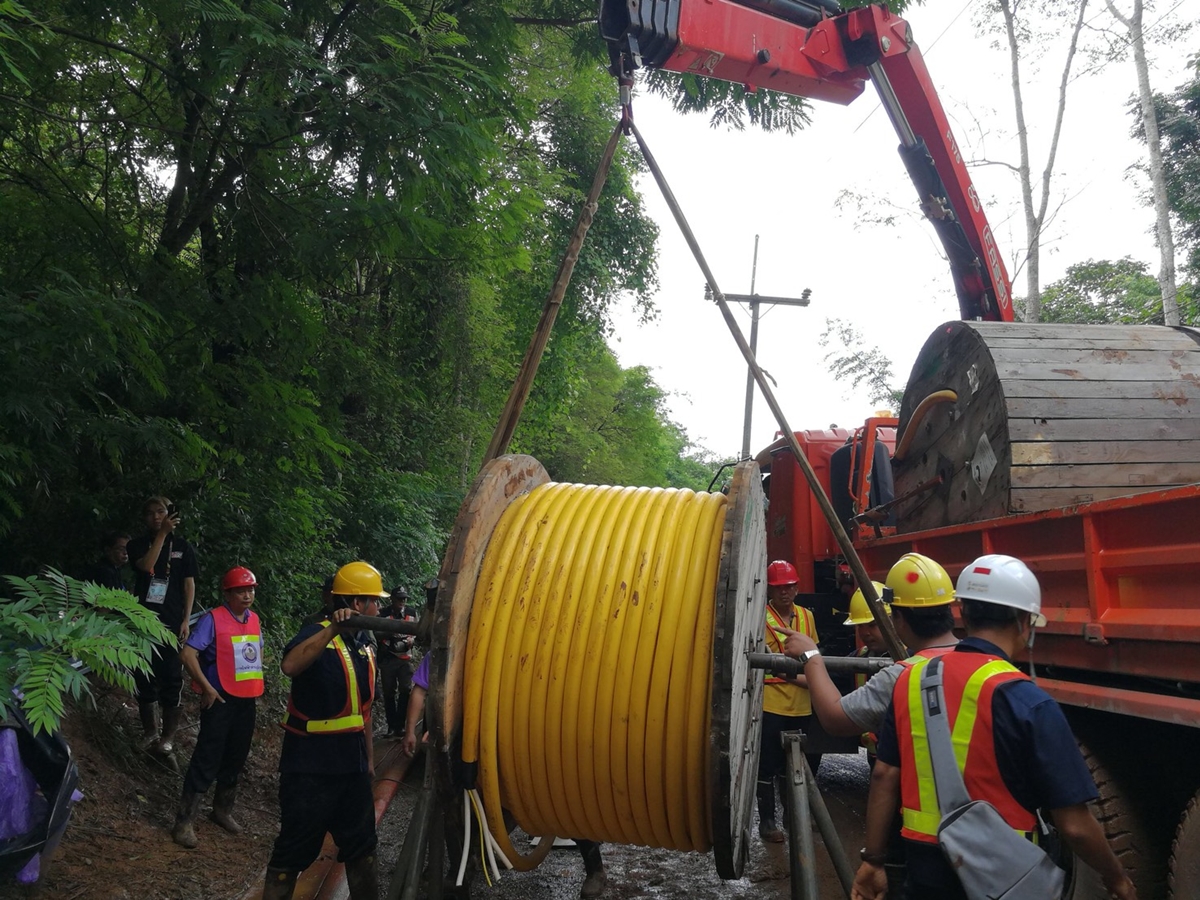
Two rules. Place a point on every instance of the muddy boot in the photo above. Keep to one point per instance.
(149, 725)
(767, 829)
(279, 884)
(593, 867)
(222, 811)
(171, 717)
(362, 878)
(184, 832)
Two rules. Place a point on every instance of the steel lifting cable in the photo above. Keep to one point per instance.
(589, 658)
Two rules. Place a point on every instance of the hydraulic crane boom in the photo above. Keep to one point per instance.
(809, 48)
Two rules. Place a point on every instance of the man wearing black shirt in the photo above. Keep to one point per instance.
(108, 571)
(395, 664)
(327, 763)
(165, 569)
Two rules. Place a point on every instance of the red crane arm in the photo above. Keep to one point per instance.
(797, 47)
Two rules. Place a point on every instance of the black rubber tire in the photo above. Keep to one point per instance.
(1184, 868)
(1135, 845)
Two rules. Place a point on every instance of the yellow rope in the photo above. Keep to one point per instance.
(589, 666)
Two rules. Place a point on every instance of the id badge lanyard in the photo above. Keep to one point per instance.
(156, 594)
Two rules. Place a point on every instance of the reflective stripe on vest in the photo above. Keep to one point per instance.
(806, 625)
(350, 717)
(239, 653)
(970, 683)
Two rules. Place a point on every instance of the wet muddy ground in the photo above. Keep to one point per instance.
(640, 872)
(118, 845)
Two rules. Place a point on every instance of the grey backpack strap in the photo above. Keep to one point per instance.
(951, 791)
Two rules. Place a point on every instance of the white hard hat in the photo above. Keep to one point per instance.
(1005, 581)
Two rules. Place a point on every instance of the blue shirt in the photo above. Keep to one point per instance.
(203, 639)
(1038, 758)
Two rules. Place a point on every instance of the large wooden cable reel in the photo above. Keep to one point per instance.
(1044, 416)
(735, 584)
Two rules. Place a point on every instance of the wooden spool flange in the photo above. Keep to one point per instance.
(736, 688)
(498, 484)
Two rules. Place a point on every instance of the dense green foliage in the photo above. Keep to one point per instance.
(1179, 127)
(49, 622)
(280, 263)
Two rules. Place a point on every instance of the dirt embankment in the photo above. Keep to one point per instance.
(118, 844)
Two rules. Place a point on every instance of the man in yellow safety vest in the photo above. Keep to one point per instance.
(786, 703)
(326, 767)
(921, 594)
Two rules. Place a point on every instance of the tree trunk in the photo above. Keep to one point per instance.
(1036, 218)
(1033, 293)
(1162, 207)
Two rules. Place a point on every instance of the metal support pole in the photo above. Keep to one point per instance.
(833, 843)
(801, 854)
(786, 665)
(406, 877)
(753, 350)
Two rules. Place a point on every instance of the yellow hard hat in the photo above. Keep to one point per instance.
(917, 580)
(860, 613)
(359, 579)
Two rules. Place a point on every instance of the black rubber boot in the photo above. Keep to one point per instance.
(767, 829)
(222, 811)
(149, 724)
(170, 724)
(362, 877)
(279, 884)
(184, 832)
(593, 867)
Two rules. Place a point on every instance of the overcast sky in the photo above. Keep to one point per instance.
(891, 282)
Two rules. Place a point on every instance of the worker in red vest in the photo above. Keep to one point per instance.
(786, 703)
(223, 654)
(1020, 755)
(327, 765)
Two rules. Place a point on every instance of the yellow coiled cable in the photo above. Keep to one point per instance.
(589, 666)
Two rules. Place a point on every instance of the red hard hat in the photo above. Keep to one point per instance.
(781, 572)
(238, 577)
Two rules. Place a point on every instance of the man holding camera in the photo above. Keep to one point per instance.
(165, 568)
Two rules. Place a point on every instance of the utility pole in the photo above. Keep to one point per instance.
(754, 300)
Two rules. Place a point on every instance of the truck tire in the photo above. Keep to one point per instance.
(1126, 829)
(1184, 877)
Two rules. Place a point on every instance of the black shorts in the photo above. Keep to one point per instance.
(311, 806)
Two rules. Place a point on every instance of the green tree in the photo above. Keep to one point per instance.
(1107, 292)
(1178, 116)
(851, 359)
(280, 263)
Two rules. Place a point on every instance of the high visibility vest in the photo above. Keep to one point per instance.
(239, 653)
(970, 682)
(351, 716)
(802, 620)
